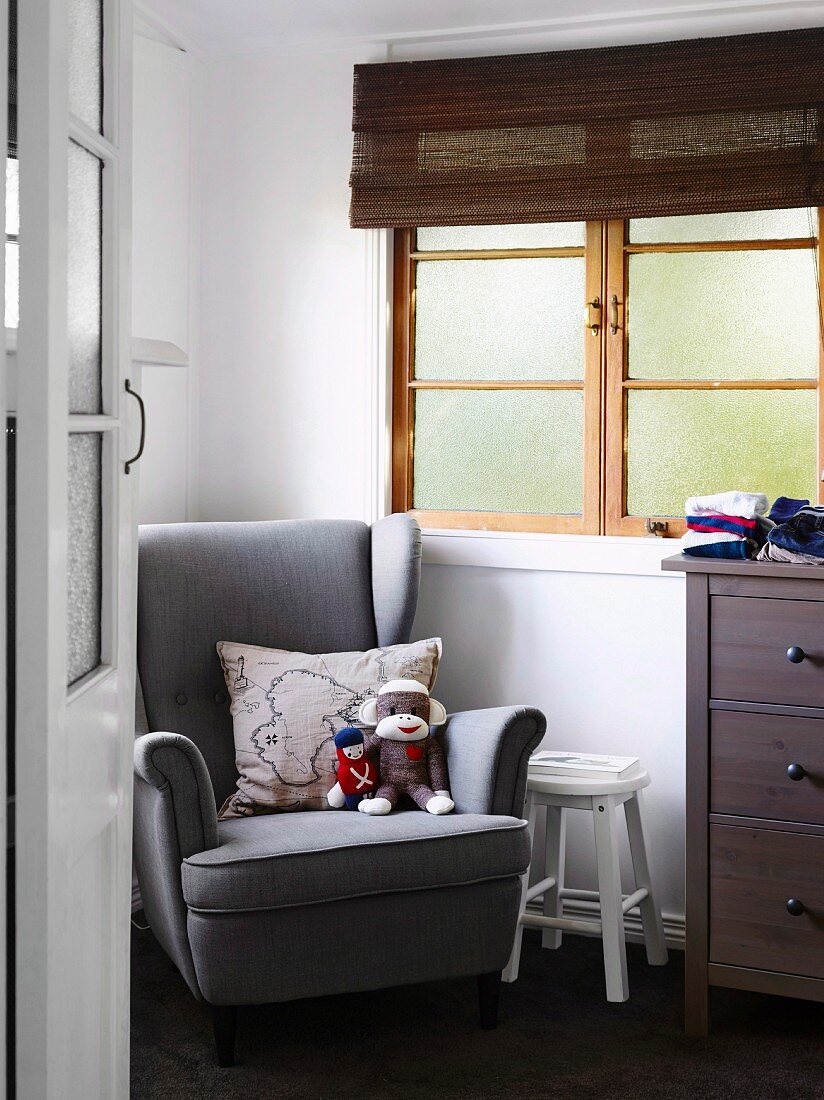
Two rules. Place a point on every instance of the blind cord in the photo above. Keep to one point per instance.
(812, 215)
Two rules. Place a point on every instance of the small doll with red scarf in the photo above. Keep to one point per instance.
(357, 774)
(412, 763)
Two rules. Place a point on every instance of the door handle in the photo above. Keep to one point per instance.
(141, 445)
(593, 326)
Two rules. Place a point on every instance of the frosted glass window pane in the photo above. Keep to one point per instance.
(723, 315)
(85, 553)
(470, 237)
(86, 61)
(12, 196)
(12, 284)
(499, 451)
(743, 225)
(686, 442)
(504, 319)
(84, 280)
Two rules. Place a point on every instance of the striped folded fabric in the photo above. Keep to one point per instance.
(716, 522)
(717, 544)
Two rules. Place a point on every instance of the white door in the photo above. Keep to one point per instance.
(75, 551)
(4, 404)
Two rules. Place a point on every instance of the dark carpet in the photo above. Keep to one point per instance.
(557, 1038)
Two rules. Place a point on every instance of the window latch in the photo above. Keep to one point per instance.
(613, 314)
(656, 527)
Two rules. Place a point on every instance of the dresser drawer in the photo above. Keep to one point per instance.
(753, 874)
(749, 757)
(749, 639)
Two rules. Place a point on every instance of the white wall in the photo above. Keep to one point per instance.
(284, 432)
(163, 282)
(601, 655)
(283, 391)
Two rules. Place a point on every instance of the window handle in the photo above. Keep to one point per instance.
(142, 443)
(593, 326)
(613, 314)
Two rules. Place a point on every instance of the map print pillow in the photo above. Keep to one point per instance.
(287, 707)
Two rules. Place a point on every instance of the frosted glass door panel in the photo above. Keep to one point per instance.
(12, 284)
(499, 451)
(85, 553)
(84, 280)
(739, 225)
(485, 237)
(682, 442)
(500, 319)
(12, 196)
(12, 304)
(86, 61)
(723, 315)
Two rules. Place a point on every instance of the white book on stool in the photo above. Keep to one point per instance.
(588, 765)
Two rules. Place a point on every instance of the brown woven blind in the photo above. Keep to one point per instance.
(672, 128)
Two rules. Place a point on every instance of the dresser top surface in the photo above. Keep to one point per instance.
(773, 569)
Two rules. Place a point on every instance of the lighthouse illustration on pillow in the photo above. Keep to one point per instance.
(357, 774)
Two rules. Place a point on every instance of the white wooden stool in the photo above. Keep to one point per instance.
(602, 797)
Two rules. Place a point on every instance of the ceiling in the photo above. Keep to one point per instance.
(218, 25)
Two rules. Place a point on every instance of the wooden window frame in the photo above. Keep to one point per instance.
(406, 259)
(618, 384)
(605, 384)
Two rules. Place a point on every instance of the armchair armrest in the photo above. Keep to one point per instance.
(487, 752)
(172, 763)
(174, 817)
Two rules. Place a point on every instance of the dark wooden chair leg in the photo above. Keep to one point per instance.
(489, 991)
(224, 1022)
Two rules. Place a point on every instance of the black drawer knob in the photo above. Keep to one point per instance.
(796, 771)
(795, 654)
(795, 907)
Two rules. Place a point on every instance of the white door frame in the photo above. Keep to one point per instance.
(4, 87)
(74, 748)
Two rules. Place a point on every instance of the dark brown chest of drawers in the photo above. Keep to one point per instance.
(755, 780)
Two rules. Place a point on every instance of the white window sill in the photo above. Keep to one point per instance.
(158, 353)
(153, 353)
(557, 553)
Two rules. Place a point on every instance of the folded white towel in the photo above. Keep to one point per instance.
(703, 538)
(733, 503)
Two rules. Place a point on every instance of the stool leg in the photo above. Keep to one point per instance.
(650, 910)
(510, 972)
(609, 890)
(554, 863)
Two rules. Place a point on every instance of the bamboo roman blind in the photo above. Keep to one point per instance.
(631, 131)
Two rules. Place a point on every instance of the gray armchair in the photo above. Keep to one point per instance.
(273, 908)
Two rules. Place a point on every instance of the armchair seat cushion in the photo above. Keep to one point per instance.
(282, 860)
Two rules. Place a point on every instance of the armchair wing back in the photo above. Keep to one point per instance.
(310, 585)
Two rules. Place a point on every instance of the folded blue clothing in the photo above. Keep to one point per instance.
(803, 533)
(785, 508)
(738, 549)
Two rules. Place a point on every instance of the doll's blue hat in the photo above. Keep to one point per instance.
(349, 735)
